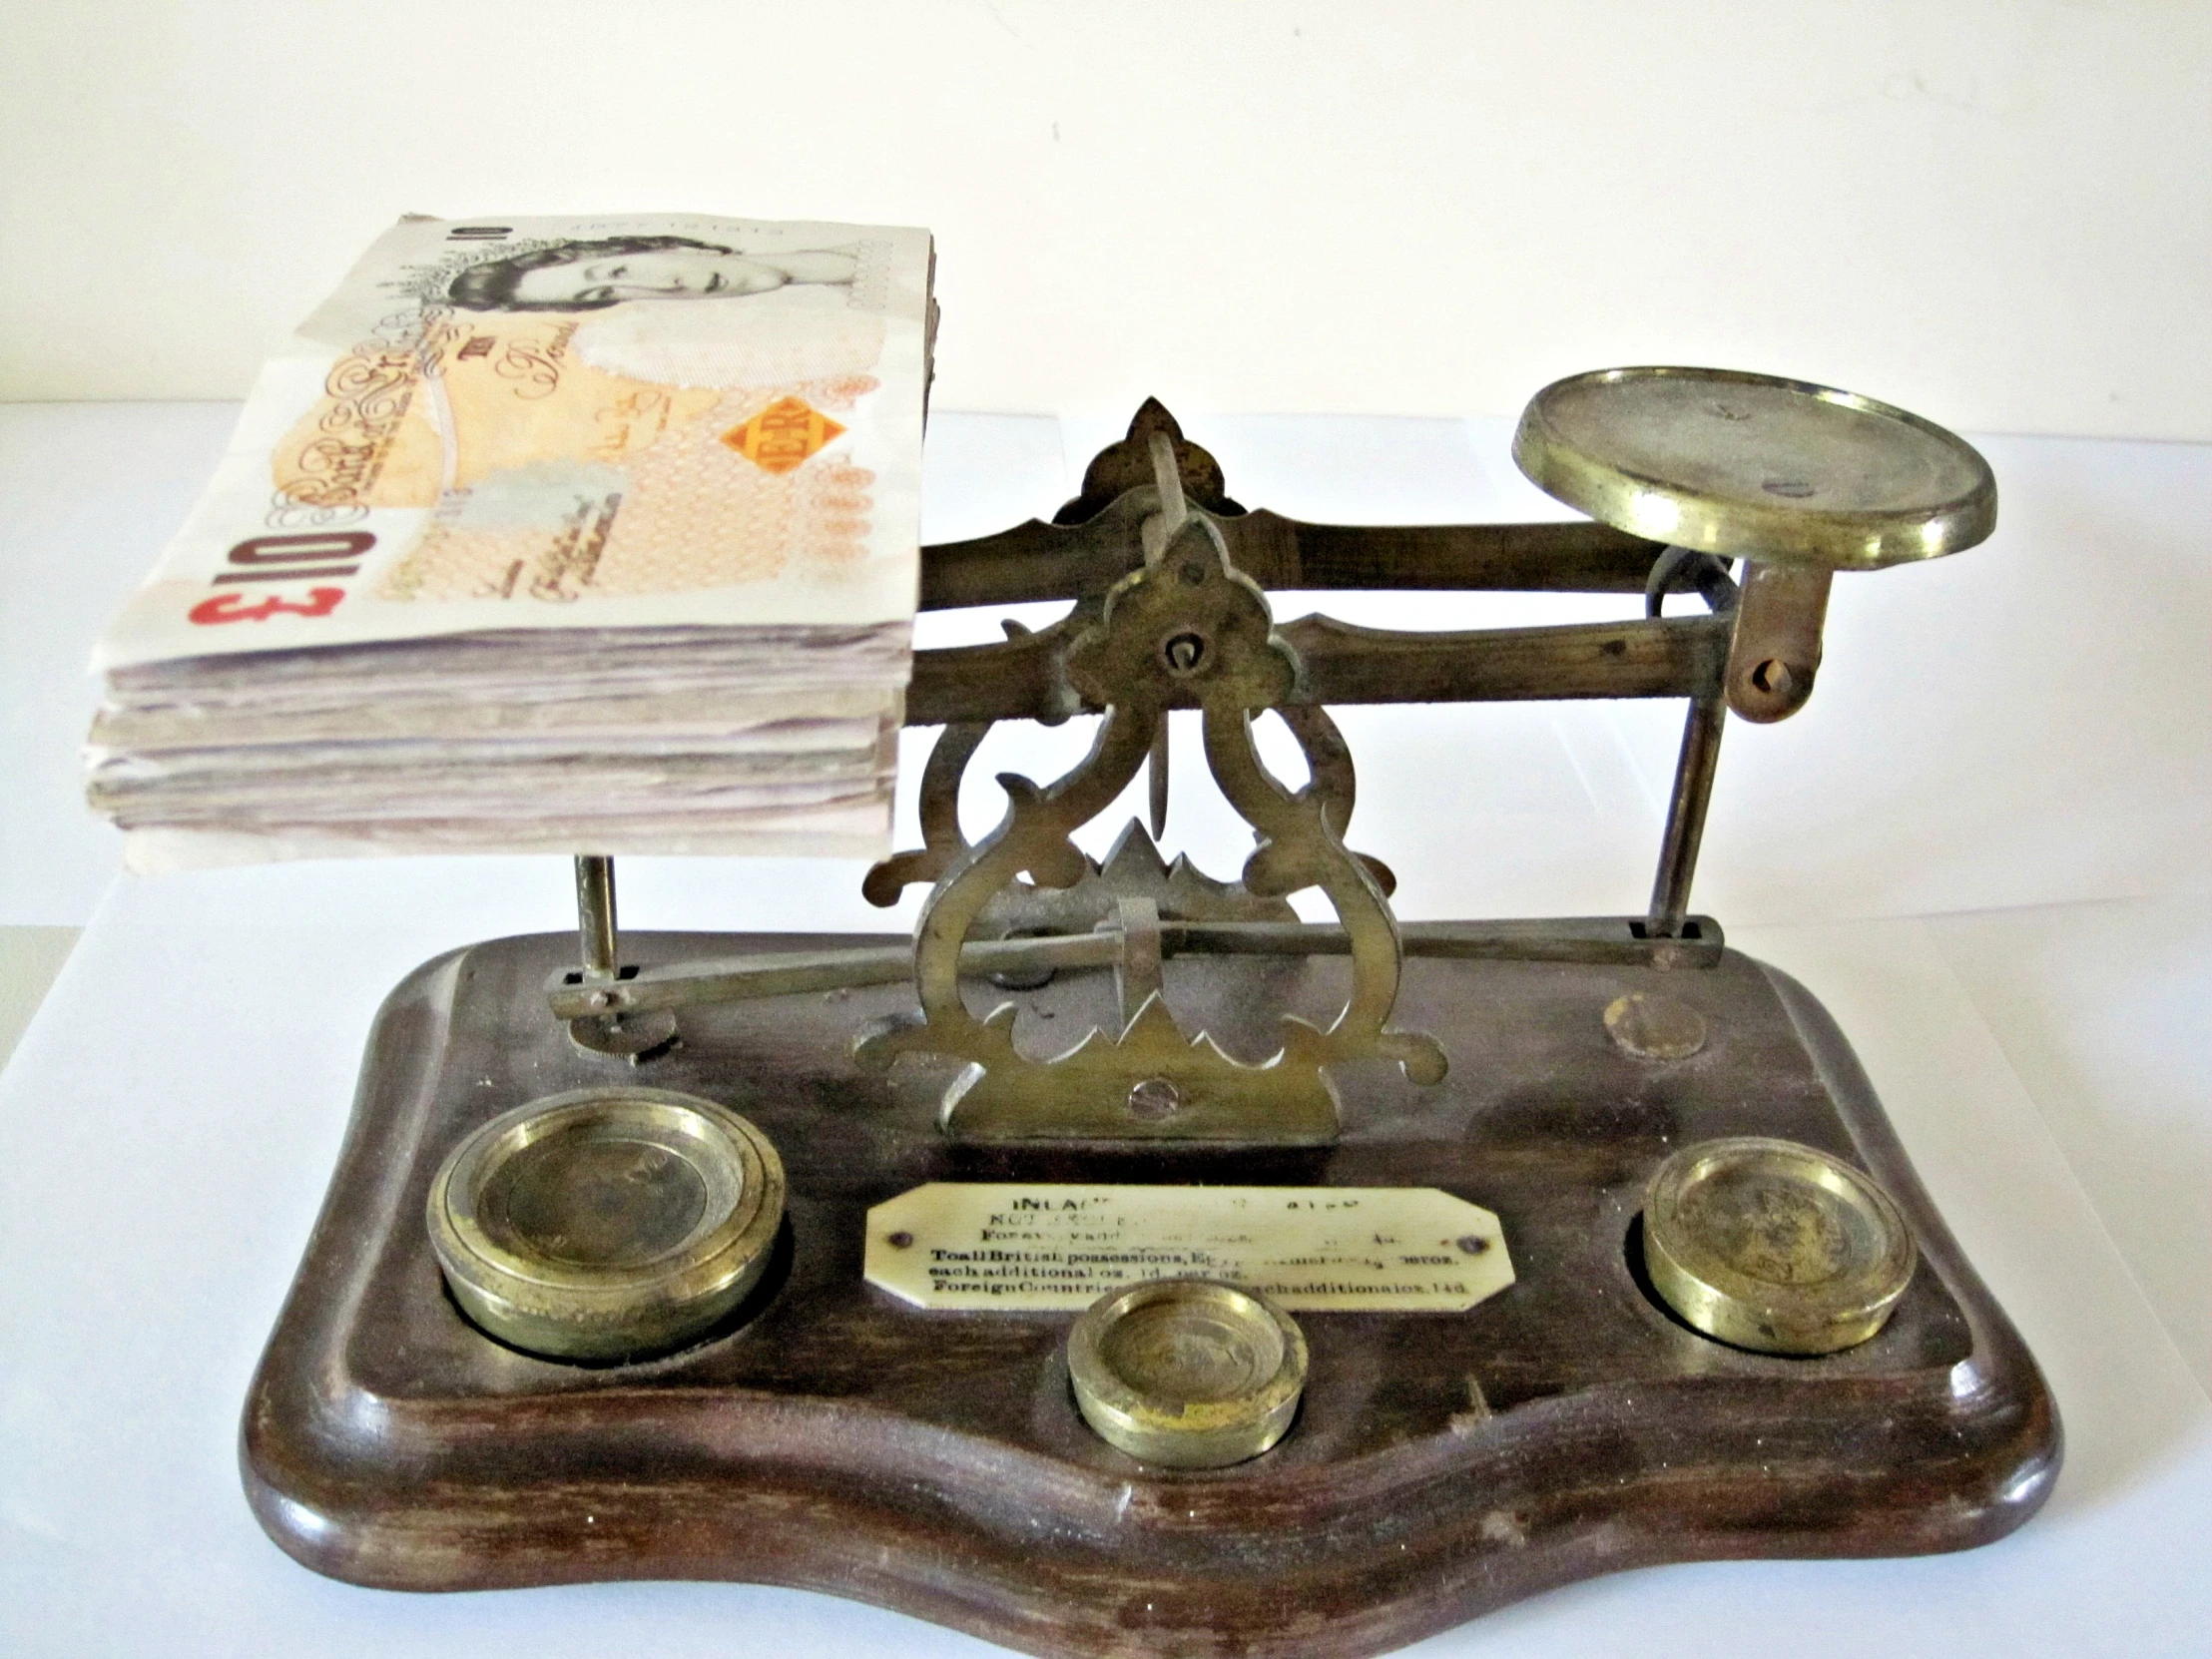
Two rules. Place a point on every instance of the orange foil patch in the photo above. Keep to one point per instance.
(782, 435)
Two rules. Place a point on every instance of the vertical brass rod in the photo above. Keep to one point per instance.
(595, 916)
(1167, 479)
(1693, 791)
(1156, 778)
(1159, 530)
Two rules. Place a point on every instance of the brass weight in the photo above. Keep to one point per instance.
(608, 1223)
(1187, 1372)
(1774, 1245)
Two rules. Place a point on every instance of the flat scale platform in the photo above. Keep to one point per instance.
(832, 1437)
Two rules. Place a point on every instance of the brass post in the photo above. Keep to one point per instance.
(1693, 791)
(595, 916)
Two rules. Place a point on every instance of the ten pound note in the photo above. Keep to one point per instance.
(583, 535)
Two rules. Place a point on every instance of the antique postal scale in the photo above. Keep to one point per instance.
(1125, 1266)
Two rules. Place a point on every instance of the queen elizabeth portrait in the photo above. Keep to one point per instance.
(591, 275)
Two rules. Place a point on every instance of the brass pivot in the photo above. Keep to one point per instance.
(603, 1027)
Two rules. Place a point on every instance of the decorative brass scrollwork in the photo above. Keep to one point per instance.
(1188, 625)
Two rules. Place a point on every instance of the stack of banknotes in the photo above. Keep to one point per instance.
(578, 535)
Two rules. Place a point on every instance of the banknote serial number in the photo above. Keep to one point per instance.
(306, 561)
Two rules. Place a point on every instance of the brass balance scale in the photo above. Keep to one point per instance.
(1124, 1265)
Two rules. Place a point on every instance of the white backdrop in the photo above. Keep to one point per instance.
(1995, 212)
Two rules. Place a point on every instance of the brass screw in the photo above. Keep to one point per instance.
(1155, 1100)
(1184, 652)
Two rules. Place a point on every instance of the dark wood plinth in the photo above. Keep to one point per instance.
(830, 1437)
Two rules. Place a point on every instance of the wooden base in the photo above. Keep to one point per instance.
(830, 1437)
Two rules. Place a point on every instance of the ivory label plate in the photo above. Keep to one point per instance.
(1052, 1245)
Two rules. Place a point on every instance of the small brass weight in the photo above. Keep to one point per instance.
(1187, 1372)
(1180, 1353)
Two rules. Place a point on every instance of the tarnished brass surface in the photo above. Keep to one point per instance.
(1756, 467)
(1024, 962)
(1774, 1245)
(1190, 620)
(1021, 677)
(1775, 651)
(1187, 1372)
(606, 1223)
(1088, 546)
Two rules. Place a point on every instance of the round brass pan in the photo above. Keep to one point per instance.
(1754, 467)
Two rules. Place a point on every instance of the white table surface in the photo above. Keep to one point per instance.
(1983, 845)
